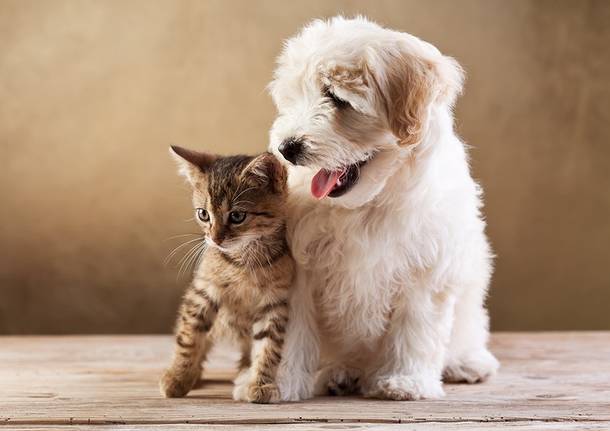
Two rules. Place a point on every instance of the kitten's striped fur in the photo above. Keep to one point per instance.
(241, 287)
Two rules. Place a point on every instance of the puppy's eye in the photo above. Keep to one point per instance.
(237, 217)
(203, 215)
(338, 102)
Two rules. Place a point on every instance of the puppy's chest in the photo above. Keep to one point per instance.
(345, 246)
(353, 270)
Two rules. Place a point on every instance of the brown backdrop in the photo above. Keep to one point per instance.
(92, 93)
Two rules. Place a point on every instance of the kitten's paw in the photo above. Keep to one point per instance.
(263, 394)
(405, 388)
(178, 383)
(472, 368)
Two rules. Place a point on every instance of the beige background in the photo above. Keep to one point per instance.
(92, 93)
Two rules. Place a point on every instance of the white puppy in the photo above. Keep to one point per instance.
(393, 261)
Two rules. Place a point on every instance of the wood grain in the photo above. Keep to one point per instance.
(547, 381)
(520, 426)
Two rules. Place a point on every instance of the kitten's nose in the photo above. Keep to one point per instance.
(217, 235)
(291, 148)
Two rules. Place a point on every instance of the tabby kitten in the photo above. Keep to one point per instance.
(241, 287)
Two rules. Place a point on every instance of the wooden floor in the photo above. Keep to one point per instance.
(547, 381)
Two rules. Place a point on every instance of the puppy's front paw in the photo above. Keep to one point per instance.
(473, 368)
(263, 394)
(338, 380)
(295, 386)
(177, 383)
(405, 388)
(242, 383)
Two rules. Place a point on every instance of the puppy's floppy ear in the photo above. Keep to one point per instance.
(266, 169)
(416, 76)
(192, 165)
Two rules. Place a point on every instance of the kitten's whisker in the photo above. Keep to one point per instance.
(192, 255)
(185, 243)
(254, 272)
(268, 260)
(171, 255)
(188, 261)
(181, 236)
(202, 248)
(194, 265)
(235, 204)
(254, 255)
(186, 258)
(183, 269)
(241, 193)
(201, 254)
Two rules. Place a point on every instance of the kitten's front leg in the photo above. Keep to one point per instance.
(268, 336)
(195, 319)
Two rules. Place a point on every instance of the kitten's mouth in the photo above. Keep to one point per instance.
(336, 183)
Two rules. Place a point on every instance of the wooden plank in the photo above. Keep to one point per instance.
(546, 378)
(449, 426)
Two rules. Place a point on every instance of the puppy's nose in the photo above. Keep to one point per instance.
(291, 149)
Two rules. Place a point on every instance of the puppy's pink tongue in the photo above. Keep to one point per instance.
(323, 182)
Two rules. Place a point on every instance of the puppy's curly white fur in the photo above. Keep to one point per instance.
(385, 223)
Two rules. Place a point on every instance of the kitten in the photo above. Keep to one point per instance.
(241, 287)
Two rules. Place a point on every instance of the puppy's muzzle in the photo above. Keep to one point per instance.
(292, 149)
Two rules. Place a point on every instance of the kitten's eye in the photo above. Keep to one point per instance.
(338, 102)
(237, 217)
(203, 215)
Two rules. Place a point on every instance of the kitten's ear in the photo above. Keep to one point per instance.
(191, 164)
(266, 169)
